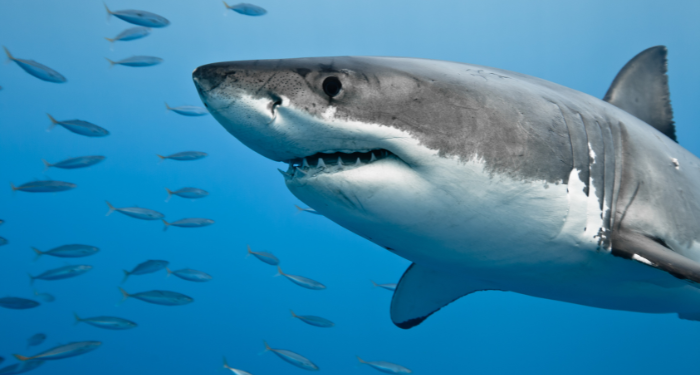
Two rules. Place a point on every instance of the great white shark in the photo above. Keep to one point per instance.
(485, 179)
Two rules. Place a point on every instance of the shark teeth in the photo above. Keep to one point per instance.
(331, 162)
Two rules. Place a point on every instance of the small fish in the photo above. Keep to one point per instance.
(74, 163)
(188, 192)
(193, 222)
(20, 368)
(136, 212)
(185, 156)
(309, 210)
(64, 351)
(264, 257)
(64, 272)
(36, 340)
(188, 110)
(247, 9)
(137, 61)
(107, 322)
(67, 251)
(235, 371)
(40, 71)
(159, 297)
(139, 17)
(17, 303)
(293, 358)
(79, 127)
(386, 367)
(146, 267)
(45, 296)
(391, 286)
(190, 274)
(131, 34)
(302, 281)
(316, 321)
(45, 186)
(3, 241)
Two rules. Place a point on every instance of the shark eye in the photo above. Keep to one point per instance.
(332, 86)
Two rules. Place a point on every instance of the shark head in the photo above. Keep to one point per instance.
(396, 151)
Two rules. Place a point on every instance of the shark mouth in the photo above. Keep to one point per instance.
(333, 162)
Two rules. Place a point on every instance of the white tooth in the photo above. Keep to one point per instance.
(358, 162)
(287, 176)
(320, 164)
(301, 171)
(305, 164)
(340, 162)
(373, 158)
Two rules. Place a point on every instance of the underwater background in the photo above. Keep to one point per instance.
(581, 45)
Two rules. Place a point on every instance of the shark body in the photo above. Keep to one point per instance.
(485, 179)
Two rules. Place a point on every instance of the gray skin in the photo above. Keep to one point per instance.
(521, 127)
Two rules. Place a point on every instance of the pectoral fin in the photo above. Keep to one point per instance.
(636, 246)
(423, 291)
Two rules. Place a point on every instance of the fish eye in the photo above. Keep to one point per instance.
(332, 86)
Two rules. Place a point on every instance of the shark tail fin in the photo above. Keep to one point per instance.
(38, 252)
(53, 122)
(166, 225)
(77, 318)
(47, 165)
(21, 357)
(126, 276)
(111, 209)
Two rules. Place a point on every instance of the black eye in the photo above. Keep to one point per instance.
(332, 86)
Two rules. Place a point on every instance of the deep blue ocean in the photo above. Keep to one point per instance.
(581, 45)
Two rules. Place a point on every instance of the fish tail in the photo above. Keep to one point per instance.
(47, 165)
(110, 40)
(226, 364)
(249, 251)
(53, 122)
(360, 359)
(293, 314)
(373, 283)
(14, 188)
(299, 209)
(38, 252)
(77, 318)
(111, 63)
(9, 55)
(167, 106)
(111, 208)
(126, 276)
(109, 12)
(170, 194)
(169, 271)
(161, 157)
(279, 271)
(267, 347)
(226, 5)
(21, 357)
(166, 225)
(125, 295)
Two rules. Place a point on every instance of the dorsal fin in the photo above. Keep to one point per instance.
(641, 88)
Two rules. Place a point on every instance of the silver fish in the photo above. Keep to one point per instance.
(139, 17)
(190, 275)
(391, 287)
(193, 222)
(302, 281)
(293, 358)
(188, 192)
(247, 9)
(234, 370)
(146, 267)
(136, 212)
(67, 251)
(17, 303)
(188, 110)
(40, 71)
(131, 34)
(45, 186)
(159, 297)
(64, 272)
(137, 61)
(264, 257)
(386, 367)
(316, 321)
(36, 340)
(79, 127)
(106, 322)
(74, 163)
(64, 351)
(185, 156)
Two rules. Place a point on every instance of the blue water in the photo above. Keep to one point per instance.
(579, 44)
